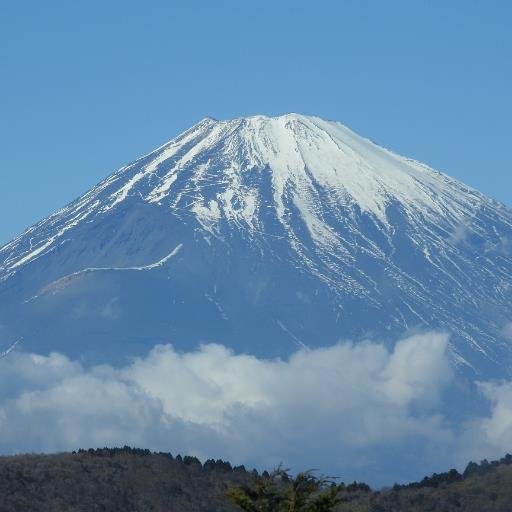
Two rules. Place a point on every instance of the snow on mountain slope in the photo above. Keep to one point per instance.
(292, 231)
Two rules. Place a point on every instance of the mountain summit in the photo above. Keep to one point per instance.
(265, 234)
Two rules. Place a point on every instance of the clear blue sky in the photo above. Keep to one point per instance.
(88, 86)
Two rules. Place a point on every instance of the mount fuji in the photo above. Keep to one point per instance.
(265, 234)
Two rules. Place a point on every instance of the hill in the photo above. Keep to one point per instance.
(128, 479)
(115, 480)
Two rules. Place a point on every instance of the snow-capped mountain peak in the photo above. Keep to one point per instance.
(302, 154)
(292, 225)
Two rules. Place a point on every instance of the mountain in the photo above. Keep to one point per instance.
(265, 234)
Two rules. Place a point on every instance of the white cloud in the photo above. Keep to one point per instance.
(490, 436)
(498, 427)
(359, 410)
(507, 331)
(460, 233)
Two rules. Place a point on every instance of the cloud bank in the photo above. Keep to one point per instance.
(354, 410)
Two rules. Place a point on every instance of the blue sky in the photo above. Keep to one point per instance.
(85, 88)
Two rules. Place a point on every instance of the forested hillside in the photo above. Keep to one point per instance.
(128, 479)
(115, 480)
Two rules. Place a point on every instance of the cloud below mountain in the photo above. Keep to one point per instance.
(359, 410)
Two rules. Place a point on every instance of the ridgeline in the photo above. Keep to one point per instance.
(131, 479)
